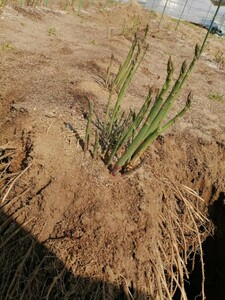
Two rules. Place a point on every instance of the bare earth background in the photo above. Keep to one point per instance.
(104, 227)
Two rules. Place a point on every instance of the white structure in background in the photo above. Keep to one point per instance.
(195, 11)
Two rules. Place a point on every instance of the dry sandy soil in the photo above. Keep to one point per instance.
(85, 233)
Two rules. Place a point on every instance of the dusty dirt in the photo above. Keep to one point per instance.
(103, 227)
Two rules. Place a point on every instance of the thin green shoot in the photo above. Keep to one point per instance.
(89, 121)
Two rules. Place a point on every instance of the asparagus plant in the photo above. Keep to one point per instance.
(152, 126)
(123, 139)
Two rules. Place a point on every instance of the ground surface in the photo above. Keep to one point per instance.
(51, 62)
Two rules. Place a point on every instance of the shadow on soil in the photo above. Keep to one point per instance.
(214, 258)
(28, 270)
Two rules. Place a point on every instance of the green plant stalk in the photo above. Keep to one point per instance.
(123, 68)
(96, 145)
(135, 66)
(118, 166)
(109, 71)
(124, 76)
(120, 98)
(125, 72)
(87, 133)
(145, 35)
(142, 148)
(119, 125)
(173, 94)
(107, 109)
(144, 109)
(122, 128)
(191, 66)
(159, 99)
(152, 136)
(118, 77)
(118, 131)
(126, 62)
(172, 97)
(121, 117)
(143, 131)
(128, 133)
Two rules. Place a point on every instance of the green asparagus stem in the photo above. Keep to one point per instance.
(96, 144)
(142, 148)
(127, 134)
(87, 133)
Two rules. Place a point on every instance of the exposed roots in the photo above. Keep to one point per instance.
(183, 228)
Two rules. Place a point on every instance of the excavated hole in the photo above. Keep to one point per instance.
(214, 257)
